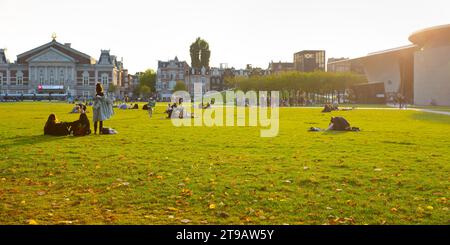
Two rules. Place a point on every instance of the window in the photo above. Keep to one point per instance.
(85, 93)
(61, 76)
(105, 79)
(85, 78)
(41, 76)
(19, 78)
(1, 78)
(52, 77)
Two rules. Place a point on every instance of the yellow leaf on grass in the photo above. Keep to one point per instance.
(212, 206)
(32, 222)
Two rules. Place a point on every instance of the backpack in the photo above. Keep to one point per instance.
(108, 131)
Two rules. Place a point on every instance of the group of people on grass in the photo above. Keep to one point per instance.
(102, 110)
(124, 106)
(177, 110)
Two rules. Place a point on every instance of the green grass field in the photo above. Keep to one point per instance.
(395, 171)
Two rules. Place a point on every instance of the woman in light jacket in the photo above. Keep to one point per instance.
(102, 108)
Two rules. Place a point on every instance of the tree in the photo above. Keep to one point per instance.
(112, 88)
(180, 86)
(147, 78)
(145, 90)
(200, 54)
(318, 86)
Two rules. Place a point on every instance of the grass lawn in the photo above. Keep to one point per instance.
(395, 171)
(436, 108)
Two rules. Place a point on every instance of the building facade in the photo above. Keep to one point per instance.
(200, 77)
(344, 65)
(168, 73)
(432, 66)
(309, 60)
(418, 71)
(217, 79)
(58, 69)
(277, 67)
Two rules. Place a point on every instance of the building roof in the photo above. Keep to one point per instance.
(422, 36)
(406, 48)
(309, 51)
(54, 42)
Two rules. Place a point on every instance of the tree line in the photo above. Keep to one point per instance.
(302, 87)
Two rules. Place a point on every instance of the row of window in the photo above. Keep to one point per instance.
(172, 76)
(19, 81)
(104, 79)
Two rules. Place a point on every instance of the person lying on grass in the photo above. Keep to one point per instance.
(54, 127)
(337, 124)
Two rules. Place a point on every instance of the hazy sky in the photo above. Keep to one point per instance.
(239, 32)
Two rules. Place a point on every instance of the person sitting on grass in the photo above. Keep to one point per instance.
(76, 109)
(327, 108)
(134, 107)
(81, 127)
(54, 127)
(340, 124)
(171, 109)
(207, 106)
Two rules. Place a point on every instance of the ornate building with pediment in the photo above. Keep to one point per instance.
(58, 69)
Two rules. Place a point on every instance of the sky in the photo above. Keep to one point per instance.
(239, 32)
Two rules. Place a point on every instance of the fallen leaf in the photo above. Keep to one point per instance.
(41, 193)
(65, 222)
(223, 214)
(32, 222)
(212, 206)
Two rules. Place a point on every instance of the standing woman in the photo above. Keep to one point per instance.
(102, 108)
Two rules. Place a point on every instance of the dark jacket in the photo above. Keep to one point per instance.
(80, 128)
(340, 124)
(56, 129)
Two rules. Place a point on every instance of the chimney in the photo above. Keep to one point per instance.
(67, 44)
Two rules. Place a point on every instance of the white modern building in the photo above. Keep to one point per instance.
(420, 71)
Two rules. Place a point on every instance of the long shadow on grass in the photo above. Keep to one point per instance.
(333, 132)
(430, 117)
(29, 139)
